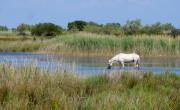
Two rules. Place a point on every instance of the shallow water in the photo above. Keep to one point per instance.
(87, 65)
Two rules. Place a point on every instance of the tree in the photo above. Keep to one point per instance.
(112, 29)
(77, 25)
(23, 29)
(175, 33)
(93, 27)
(94, 24)
(144, 30)
(3, 28)
(167, 28)
(46, 29)
(132, 26)
(13, 29)
(156, 28)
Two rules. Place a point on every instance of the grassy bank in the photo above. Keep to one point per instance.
(7, 33)
(27, 88)
(21, 46)
(92, 44)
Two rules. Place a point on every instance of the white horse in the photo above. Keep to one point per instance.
(125, 58)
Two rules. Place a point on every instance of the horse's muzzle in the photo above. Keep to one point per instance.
(109, 67)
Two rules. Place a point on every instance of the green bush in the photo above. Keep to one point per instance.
(23, 29)
(175, 33)
(132, 26)
(94, 28)
(112, 29)
(46, 29)
(77, 25)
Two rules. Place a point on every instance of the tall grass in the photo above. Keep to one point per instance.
(92, 44)
(22, 46)
(7, 33)
(26, 88)
(109, 45)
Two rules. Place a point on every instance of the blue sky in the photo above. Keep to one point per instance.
(14, 12)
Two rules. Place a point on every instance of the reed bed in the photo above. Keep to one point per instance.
(89, 44)
(92, 44)
(30, 88)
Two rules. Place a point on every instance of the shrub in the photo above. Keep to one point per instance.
(132, 26)
(94, 28)
(46, 29)
(175, 33)
(77, 25)
(23, 29)
(112, 29)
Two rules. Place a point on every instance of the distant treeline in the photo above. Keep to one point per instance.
(3, 28)
(131, 27)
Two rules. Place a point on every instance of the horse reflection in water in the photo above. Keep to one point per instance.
(123, 58)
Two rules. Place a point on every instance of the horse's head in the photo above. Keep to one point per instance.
(109, 64)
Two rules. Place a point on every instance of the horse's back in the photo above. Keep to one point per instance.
(128, 56)
(125, 56)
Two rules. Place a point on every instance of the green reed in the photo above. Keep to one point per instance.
(145, 45)
(92, 44)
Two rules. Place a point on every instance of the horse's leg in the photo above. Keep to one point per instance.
(135, 64)
(122, 63)
(138, 65)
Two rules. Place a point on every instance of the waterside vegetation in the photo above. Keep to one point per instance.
(90, 38)
(93, 44)
(88, 44)
(29, 87)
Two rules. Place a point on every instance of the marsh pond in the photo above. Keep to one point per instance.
(86, 65)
